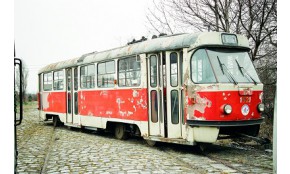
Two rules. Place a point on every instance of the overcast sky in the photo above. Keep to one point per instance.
(50, 31)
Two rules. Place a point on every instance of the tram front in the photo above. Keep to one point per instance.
(224, 93)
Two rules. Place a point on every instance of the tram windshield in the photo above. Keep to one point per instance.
(213, 65)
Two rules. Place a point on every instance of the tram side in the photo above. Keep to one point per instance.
(90, 96)
(181, 89)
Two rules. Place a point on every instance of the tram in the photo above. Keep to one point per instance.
(184, 88)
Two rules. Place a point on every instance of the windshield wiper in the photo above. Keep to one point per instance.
(245, 73)
(227, 70)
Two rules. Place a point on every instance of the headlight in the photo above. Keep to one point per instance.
(228, 109)
(261, 107)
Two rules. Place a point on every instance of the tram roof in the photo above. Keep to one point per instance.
(171, 42)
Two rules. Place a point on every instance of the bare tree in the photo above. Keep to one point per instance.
(256, 19)
(25, 73)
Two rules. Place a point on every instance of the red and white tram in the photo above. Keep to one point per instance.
(184, 88)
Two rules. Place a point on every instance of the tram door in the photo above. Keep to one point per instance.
(155, 95)
(165, 94)
(72, 95)
(174, 109)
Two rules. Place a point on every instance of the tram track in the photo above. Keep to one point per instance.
(49, 148)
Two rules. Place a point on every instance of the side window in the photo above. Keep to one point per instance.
(129, 72)
(106, 72)
(173, 70)
(201, 71)
(47, 81)
(88, 76)
(58, 80)
(76, 79)
(153, 71)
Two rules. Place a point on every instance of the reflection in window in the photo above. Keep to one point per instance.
(173, 70)
(47, 81)
(153, 71)
(201, 71)
(69, 79)
(106, 72)
(154, 106)
(76, 103)
(76, 79)
(58, 77)
(69, 103)
(88, 76)
(174, 107)
(232, 60)
(129, 72)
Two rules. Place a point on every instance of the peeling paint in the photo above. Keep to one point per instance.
(261, 97)
(135, 93)
(200, 105)
(142, 103)
(109, 112)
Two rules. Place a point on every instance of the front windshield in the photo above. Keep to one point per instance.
(229, 66)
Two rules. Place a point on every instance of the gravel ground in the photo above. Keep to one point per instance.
(43, 149)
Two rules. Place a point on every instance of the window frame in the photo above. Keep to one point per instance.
(86, 75)
(129, 71)
(214, 75)
(110, 73)
(51, 81)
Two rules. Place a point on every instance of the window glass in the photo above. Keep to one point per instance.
(58, 77)
(174, 107)
(173, 70)
(129, 72)
(47, 81)
(69, 102)
(153, 71)
(76, 79)
(154, 106)
(88, 76)
(69, 79)
(106, 72)
(232, 65)
(76, 103)
(201, 71)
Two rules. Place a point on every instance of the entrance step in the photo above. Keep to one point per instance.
(169, 140)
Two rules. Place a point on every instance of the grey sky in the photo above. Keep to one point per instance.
(50, 31)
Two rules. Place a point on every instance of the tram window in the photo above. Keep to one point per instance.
(106, 72)
(76, 79)
(153, 71)
(76, 103)
(58, 80)
(173, 69)
(69, 103)
(47, 81)
(69, 79)
(174, 107)
(181, 68)
(129, 72)
(201, 71)
(88, 76)
(154, 106)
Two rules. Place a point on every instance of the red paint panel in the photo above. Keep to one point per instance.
(129, 104)
(54, 102)
(214, 102)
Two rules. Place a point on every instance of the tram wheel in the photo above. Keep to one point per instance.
(120, 132)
